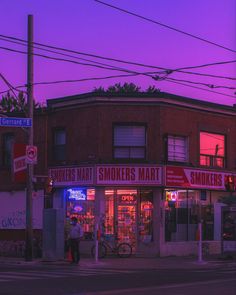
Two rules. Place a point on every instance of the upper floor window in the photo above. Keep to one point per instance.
(177, 147)
(7, 149)
(59, 145)
(129, 142)
(212, 149)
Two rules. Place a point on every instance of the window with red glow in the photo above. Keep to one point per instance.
(212, 149)
(109, 215)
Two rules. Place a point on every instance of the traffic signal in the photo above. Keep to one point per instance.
(49, 186)
(229, 183)
(48, 193)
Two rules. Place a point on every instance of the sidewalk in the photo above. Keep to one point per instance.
(132, 263)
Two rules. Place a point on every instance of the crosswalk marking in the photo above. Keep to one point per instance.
(55, 273)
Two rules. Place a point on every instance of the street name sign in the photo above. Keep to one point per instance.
(15, 122)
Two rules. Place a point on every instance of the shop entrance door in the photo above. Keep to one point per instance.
(127, 217)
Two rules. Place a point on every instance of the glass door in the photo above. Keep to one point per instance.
(127, 216)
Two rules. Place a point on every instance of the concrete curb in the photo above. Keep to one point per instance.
(131, 263)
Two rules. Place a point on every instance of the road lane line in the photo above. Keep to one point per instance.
(149, 289)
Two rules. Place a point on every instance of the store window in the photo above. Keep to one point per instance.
(146, 217)
(212, 149)
(129, 142)
(109, 214)
(127, 216)
(177, 147)
(80, 204)
(183, 213)
(7, 148)
(59, 145)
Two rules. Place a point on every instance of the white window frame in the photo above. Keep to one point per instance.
(177, 146)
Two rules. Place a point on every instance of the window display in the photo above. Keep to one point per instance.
(126, 216)
(183, 211)
(146, 217)
(109, 213)
(80, 204)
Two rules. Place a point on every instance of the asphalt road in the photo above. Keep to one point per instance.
(74, 280)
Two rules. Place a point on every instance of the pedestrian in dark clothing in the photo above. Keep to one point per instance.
(75, 235)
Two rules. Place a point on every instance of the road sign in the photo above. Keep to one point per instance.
(15, 122)
(31, 154)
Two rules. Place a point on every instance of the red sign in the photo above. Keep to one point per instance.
(31, 154)
(129, 175)
(127, 199)
(195, 178)
(19, 162)
(66, 176)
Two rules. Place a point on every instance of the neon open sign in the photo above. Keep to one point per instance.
(76, 194)
(127, 199)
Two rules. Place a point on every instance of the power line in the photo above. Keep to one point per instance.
(199, 83)
(60, 53)
(164, 25)
(180, 83)
(72, 61)
(123, 70)
(165, 70)
(11, 88)
(116, 76)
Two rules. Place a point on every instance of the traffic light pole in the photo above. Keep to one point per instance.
(29, 188)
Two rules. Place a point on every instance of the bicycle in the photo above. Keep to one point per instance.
(123, 250)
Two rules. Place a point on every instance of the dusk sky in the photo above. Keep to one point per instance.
(90, 27)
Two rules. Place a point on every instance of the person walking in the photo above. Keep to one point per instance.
(75, 235)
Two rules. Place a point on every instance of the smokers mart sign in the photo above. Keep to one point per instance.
(107, 175)
(195, 178)
(129, 175)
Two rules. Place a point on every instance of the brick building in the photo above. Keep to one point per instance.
(143, 168)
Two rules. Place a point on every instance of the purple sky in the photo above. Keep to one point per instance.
(87, 26)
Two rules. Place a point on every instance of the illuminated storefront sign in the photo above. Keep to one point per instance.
(76, 194)
(65, 176)
(129, 175)
(195, 178)
(127, 199)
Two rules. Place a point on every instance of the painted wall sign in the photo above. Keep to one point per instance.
(13, 212)
(19, 162)
(66, 176)
(129, 175)
(195, 178)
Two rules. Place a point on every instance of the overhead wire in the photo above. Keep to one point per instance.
(180, 83)
(130, 62)
(199, 83)
(164, 25)
(133, 73)
(115, 76)
(11, 88)
(60, 53)
(120, 69)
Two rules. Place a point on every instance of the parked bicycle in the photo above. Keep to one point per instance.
(123, 250)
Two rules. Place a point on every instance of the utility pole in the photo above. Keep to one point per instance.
(29, 189)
